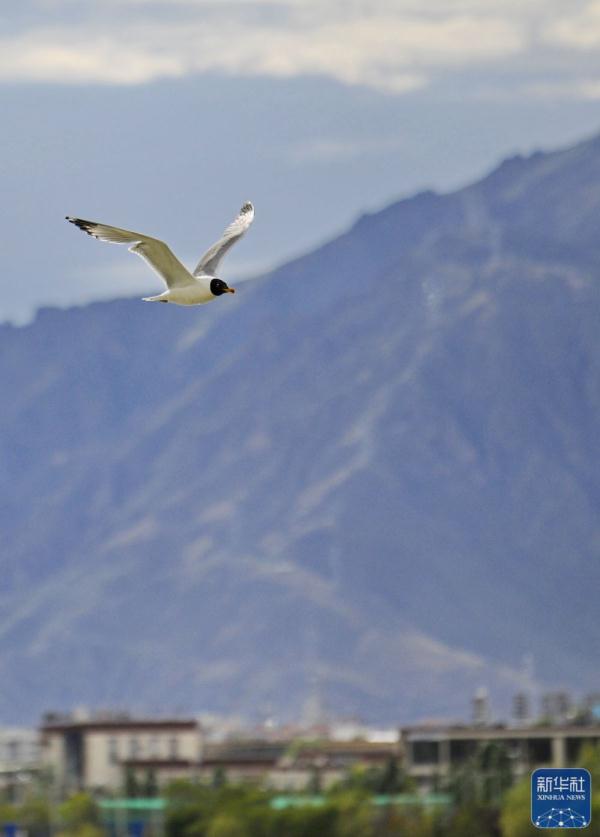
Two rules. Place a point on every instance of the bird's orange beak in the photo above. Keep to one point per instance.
(230, 290)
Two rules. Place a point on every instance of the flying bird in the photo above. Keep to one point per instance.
(183, 287)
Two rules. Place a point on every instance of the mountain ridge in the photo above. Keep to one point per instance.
(351, 475)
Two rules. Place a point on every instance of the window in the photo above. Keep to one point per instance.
(153, 746)
(12, 750)
(425, 752)
(134, 747)
(173, 747)
(113, 751)
(461, 750)
(540, 750)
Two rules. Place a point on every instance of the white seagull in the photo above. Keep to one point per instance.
(183, 287)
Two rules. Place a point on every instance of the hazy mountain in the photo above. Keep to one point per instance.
(372, 474)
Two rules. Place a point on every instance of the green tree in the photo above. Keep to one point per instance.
(226, 825)
(361, 778)
(388, 779)
(394, 820)
(131, 785)
(589, 757)
(150, 784)
(189, 808)
(34, 815)
(78, 810)
(219, 777)
(473, 819)
(194, 809)
(516, 811)
(8, 813)
(391, 779)
(484, 778)
(355, 815)
(84, 830)
(79, 817)
(301, 822)
(314, 785)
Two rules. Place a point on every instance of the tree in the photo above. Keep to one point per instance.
(219, 777)
(314, 785)
(516, 811)
(8, 813)
(354, 813)
(390, 780)
(484, 778)
(81, 808)
(79, 817)
(194, 809)
(589, 757)
(132, 788)
(150, 784)
(302, 822)
(34, 815)
(474, 819)
(395, 820)
(226, 825)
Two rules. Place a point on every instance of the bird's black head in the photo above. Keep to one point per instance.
(218, 287)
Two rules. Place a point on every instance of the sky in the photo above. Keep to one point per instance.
(166, 116)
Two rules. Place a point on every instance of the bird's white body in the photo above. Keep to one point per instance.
(196, 293)
(183, 287)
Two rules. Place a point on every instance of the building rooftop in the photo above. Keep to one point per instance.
(500, 730)
(117, 721)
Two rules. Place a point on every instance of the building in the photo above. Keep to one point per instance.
(591, 707)
(320, 765)
(292, 765)
(100, 752)
(242, 760)
(480, 707)
(431, 753)
(557, 707)
(19, 760)
(521, 712)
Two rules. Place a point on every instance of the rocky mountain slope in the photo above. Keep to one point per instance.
(374, 472)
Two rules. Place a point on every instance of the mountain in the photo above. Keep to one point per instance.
(371, 476)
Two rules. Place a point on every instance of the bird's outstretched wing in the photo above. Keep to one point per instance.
(156, 253)
(210, 260)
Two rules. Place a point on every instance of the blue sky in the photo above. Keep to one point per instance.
(166, 116)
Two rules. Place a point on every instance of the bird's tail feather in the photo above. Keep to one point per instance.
(158, 298)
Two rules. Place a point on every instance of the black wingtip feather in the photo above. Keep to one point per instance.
(86, 226)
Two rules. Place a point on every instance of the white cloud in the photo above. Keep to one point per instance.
(576, 88)
(342, 149)
(55, 57)
(390, 45)
(374, 45)
(577, 30)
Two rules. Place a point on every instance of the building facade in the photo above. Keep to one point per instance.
(292, 765)
(431, 753)
(100, 753)
(19, 760)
